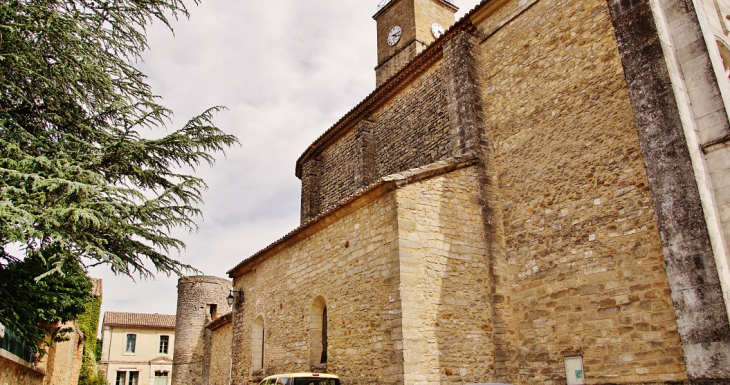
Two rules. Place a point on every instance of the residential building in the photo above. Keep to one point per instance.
(137, 348)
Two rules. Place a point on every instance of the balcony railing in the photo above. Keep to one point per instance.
(12, 343)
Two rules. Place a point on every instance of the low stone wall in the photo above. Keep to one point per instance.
(14, 371)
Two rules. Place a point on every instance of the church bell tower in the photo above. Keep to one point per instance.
(407, 27)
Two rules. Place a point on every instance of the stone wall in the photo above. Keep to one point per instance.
(404, 278)
(445, 283)
(338, 164)
(63, 362)
(195, 295)
(352, 263)
(584, 273)
(14, 371)
(683, 219)
(218, 352)
(572, 227)
(396, 62)
(411, 130)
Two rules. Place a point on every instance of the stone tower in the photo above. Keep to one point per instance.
(407, 27)
(200, 299)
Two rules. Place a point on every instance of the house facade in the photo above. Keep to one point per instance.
(137, 348)
(64, 359)
(538, 193)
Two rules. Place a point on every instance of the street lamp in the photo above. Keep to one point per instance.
(232, 297)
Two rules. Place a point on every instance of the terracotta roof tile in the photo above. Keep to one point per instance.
(139, 319)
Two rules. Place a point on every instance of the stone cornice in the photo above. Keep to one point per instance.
(359, 199)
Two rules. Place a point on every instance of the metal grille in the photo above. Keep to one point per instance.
(15, 345)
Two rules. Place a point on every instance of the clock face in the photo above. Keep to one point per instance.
(437, 30)
(394, 35)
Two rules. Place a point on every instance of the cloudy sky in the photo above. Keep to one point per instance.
(287, 70)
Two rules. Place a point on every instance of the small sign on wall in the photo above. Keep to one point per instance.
(574, 370)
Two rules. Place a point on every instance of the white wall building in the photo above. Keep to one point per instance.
(137, 348)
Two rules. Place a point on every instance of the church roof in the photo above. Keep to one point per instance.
(164, 321)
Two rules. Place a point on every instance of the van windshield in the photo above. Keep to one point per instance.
(316, 381)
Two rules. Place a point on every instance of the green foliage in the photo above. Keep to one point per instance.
(88, 322)
(88, 376)
(78, 181)
(80, 185)
(34, 310)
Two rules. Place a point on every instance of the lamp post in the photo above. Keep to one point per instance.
(234, 297)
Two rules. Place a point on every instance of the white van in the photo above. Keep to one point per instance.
(301, 379)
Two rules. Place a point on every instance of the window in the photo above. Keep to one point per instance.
(164, 344)
(257, 342)
(127, 378)
(131, 343)
(324, 335)
(121, 378)
(133, 378)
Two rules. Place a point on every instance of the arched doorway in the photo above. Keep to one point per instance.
(318, 332)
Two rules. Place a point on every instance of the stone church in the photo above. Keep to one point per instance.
(538, 193)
